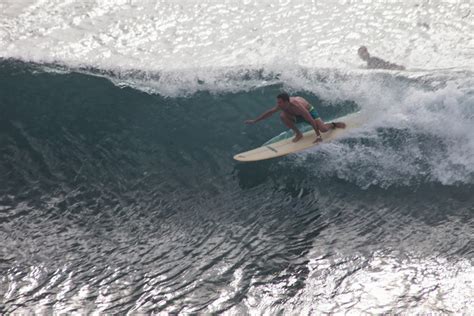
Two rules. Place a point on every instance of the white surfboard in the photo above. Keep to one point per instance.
(286, 146)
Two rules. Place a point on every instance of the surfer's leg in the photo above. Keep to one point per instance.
(324, 127)
(289, 121)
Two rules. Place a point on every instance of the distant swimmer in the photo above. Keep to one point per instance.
(375, 62)
(297, 110)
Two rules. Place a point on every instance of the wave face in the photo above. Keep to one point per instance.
(117, 200)
(119, 194)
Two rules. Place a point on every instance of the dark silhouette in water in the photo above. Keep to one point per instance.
(375, 62)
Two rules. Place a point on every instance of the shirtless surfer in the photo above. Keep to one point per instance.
(296, 110)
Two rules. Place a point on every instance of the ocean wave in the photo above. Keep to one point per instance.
(418, 130)
(119, 194)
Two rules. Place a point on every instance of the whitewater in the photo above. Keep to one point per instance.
(119, 194)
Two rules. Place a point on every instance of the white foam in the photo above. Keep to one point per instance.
(419, 131)
(169, 35)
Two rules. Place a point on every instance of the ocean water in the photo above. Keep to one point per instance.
(119, 194)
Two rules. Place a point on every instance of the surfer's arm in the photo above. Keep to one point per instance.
(264, 115)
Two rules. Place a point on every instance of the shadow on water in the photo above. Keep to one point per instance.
(250, 175)
(292, 180)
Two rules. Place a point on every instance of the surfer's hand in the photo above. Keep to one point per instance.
(249, 122)
(318, 139)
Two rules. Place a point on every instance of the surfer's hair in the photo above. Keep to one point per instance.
(284, 96)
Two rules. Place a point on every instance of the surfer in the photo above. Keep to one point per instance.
(375, 62)
(296, 110)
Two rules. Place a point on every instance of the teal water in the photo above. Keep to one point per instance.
(119, 200)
